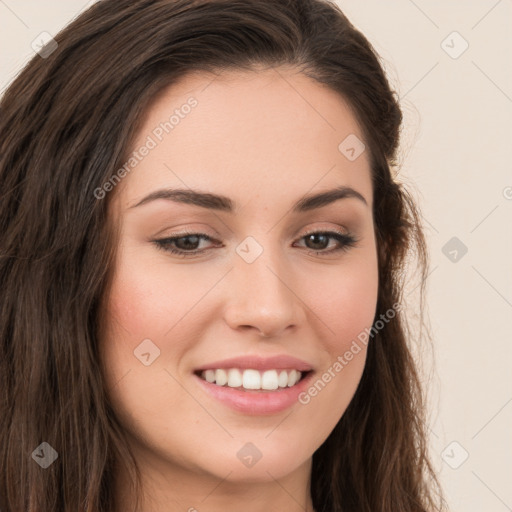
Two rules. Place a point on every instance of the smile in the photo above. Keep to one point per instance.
(251, 379)
(251, 400)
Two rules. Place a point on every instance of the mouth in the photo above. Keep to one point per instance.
(254, 392)
(253, 380)
(254, 384)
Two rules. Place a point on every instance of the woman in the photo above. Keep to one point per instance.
(202, 256)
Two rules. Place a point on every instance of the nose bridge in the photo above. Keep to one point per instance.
(260, 295)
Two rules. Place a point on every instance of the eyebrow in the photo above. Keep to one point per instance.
(225, 204)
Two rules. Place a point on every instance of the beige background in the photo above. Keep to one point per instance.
(456, 156)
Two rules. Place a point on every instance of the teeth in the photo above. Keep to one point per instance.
(283, 379)
(293, 378)
(209, 375)
(221, 377)
(234, 378)
(252, 379)
(269, 380)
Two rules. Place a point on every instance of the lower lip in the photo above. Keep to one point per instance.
(256, 402)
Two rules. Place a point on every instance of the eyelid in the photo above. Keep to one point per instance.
(187, 231)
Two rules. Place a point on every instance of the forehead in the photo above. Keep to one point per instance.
(270, 132)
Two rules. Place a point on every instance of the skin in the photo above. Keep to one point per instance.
(264, 139)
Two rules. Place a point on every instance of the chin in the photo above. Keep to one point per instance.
(255, 462)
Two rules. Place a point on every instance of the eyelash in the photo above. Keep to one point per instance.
(346, 240)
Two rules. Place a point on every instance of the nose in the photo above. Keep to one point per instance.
(261, 296)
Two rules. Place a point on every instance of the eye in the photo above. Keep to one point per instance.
(183, 245)
(319, 240)
(186, 244)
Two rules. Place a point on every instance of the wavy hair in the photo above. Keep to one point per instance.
(67, 122)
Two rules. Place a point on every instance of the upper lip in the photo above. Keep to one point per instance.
(279, 362)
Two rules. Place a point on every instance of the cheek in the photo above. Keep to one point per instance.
(148, 301)
(137, 310)
(143, 305)
(346, 301)
(346, 307)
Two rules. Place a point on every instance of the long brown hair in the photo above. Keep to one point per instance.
(66, 125)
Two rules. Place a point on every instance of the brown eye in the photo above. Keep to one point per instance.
(185, 245)
(318, 241)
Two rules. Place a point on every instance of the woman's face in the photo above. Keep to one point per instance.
(261, 295)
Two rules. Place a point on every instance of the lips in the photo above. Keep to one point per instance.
(255, 385)
(279, 362)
